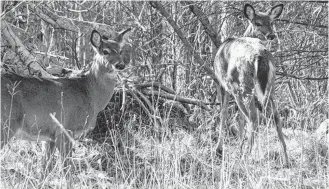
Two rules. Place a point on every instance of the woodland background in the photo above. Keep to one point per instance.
(160, 126)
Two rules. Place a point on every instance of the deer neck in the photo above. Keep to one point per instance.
(101, 81)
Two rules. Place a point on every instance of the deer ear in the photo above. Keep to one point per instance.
(96, 38)
(123, 37)
(249, 12)
(275, 11)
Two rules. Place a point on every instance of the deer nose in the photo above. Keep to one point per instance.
(120, 66)
(270, 36)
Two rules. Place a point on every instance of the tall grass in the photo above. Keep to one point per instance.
(133, 157)
(125, 151)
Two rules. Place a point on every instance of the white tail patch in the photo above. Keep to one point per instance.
(271, 80)
(261, 95)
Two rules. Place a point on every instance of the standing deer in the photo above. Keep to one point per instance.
(245, 69)
(27, 102)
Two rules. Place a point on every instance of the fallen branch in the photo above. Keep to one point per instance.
(157, 119)
(156, 85)
(141, 104)
(176, 98)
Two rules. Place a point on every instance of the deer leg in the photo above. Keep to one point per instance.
(279, 131)
(248, 110)
(48, 148)
(65, 148)
(241, 121)
(245, 114)
(241, 124)
(253, 121)
(223, 117)
(242, 107)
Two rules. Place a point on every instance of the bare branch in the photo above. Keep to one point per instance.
(303, 23)
(65, 23)
(205, 22)
(141, 104)
(302, 77)
(19, 48)
(187, 44)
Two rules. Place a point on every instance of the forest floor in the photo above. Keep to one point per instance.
(135, 159)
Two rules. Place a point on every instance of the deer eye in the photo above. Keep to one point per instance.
(258, 24)
(106, 52)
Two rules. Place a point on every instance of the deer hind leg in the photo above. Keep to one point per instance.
(253, 124)
(248, 110)
(279, 131)
(241, 121)
(223, 117)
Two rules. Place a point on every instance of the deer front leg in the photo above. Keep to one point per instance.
(65, 148)
(47, 163)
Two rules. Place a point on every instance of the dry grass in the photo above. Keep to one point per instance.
(137, 159)
(132, 155)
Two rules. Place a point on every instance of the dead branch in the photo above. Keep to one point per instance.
(140, 103)
(176, 98)
(18, 47)
(158, 6)
(156, 85)
(208, 29)
(65, 23)
(302, 77)
(289, 21)
(152, 116)
(51, 55)
(205, 22)
(146, 100)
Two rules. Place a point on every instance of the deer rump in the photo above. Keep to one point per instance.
(245, 67)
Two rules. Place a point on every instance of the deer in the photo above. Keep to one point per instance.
(245, 69)
(27, 103)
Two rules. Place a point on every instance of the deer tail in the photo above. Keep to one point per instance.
(265, 77)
